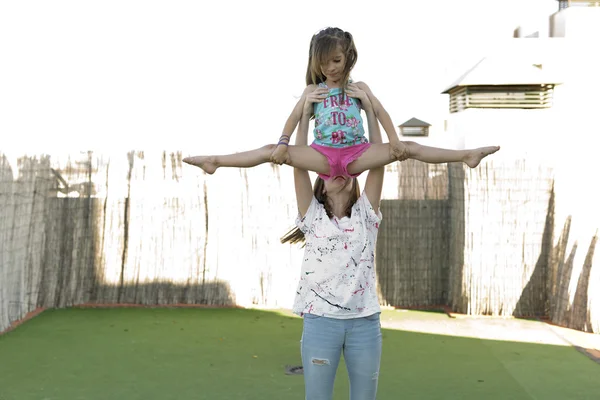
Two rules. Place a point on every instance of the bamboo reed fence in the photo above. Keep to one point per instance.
(500, 238)
(412, 247)
(143, 228)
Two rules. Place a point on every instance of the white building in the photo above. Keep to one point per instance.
(538, 97)
(533, 92)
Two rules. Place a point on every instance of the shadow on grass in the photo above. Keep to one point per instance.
(166, 353)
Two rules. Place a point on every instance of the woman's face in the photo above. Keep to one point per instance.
(339, 185)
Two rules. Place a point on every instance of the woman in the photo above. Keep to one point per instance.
(336, 294)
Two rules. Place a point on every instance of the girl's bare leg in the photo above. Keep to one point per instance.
(246, 159)
(307, 158)
(303, 157)
(436, 155)
(378, 155)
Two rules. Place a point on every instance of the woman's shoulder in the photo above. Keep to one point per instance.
(315, 207)
(315, 215)
(368, 211)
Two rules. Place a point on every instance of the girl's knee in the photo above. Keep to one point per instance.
(413, 147)
(410, 144)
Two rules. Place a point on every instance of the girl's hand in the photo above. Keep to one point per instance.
(316, 96)
(355, 92)
(280, 155)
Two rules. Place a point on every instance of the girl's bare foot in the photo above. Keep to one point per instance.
(474, 157)
(207, 163)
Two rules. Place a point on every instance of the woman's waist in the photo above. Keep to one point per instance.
(345, 281)
(341, 300)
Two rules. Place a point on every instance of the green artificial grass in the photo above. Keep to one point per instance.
(94, 354)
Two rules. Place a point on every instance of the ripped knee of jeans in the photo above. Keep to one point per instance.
(319, 361)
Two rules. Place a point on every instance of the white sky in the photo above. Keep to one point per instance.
(221, 76)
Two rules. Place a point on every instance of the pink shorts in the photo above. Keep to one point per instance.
(340, 157)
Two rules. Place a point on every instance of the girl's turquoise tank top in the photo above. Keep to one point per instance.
(337, 120)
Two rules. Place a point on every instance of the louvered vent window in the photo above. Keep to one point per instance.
(414, 131)
(501, 96)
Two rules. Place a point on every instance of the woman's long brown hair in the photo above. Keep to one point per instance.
(295, 235)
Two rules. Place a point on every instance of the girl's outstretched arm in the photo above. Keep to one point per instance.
(397, 148)
(280, 154)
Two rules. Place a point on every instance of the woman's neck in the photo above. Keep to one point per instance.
(338, 206)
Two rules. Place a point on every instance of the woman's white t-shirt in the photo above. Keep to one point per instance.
(338, 270)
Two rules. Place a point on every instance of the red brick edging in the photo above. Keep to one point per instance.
(132, 305)
(39, 310)
(27, 317)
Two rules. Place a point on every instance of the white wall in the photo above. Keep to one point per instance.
(576, 22)
(566, 136)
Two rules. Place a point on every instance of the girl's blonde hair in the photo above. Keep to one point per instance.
(295, 235)
(322, 45)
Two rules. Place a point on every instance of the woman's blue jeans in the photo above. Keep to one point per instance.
(323, 341)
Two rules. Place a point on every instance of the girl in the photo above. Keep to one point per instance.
(337, 294)
(340, 147)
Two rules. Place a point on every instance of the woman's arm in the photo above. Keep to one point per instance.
(397, 148)
(374, 182)
(302, 183)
